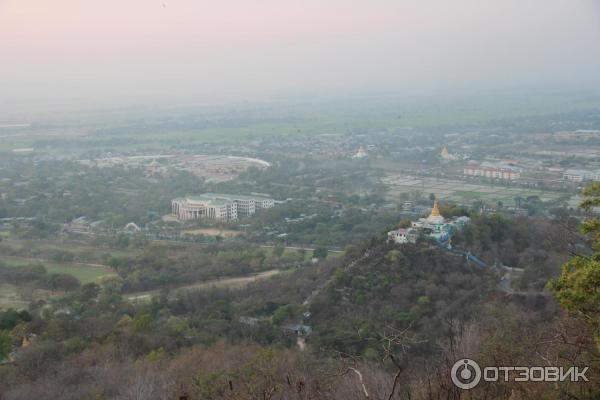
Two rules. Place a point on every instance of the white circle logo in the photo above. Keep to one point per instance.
(465, 374)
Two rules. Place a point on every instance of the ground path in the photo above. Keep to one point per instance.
(65, 263)
(234, 282)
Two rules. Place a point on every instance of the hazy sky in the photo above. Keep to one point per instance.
(127, 49)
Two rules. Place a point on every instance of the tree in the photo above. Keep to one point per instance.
(320, 252)
(518, 201)
(6, 344)
(143, 323)
(63, 282)
(11, 317)
(278, 250)
(282, 313)
(578, 288)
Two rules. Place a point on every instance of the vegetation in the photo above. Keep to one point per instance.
(338, 313)
(577, 288)
(414, 304)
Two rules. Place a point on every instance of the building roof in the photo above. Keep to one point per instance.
(231, 197)
(210, 201)
(581, 172)
(494, 168)
(400, 230)
(220, 199)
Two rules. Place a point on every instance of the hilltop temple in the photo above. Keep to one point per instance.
(435, 227)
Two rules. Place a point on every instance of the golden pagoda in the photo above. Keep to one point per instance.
(444, 153)
(435, 217)
(435, 211)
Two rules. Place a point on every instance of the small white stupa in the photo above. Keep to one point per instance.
(361, 153)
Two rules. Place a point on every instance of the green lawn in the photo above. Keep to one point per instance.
(468, 195)
(84, 273)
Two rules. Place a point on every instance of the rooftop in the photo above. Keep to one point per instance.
(221, 199)
(237, 196)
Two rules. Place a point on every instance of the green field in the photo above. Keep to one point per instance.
(235, 123)
(11, 296)
(84, 273)
(464, 192)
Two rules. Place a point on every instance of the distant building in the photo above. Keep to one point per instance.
(581, 175)
(361, 153)
(581, 134)
(402, 236)
(218, 206)
(407, 206)
(249, 320)
(297, 329)
(132, 227)
(576, 175)
(445, 155)
(487, 170)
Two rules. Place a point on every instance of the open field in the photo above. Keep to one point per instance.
(13, 297)
(85, 273)
(212, 232)
(82, 249)
(189, 125)
(463, 192)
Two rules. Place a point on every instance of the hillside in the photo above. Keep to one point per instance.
(416, 285)
(393, 316)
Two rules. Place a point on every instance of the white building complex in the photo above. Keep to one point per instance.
(488, 170)
(580, 175)
(218, 206)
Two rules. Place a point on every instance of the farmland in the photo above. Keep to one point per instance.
(463, 192)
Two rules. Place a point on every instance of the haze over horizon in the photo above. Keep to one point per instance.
(112, 50)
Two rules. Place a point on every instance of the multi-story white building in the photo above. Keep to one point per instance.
(246, 205)
(220, 207)
(402, 236)
(576, 175)
(492, 171)
(581, 175)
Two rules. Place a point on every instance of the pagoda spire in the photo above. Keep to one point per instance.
(435, 211)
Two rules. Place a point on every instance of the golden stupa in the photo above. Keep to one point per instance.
(435, 211)
(435, 217)
(444, 153)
